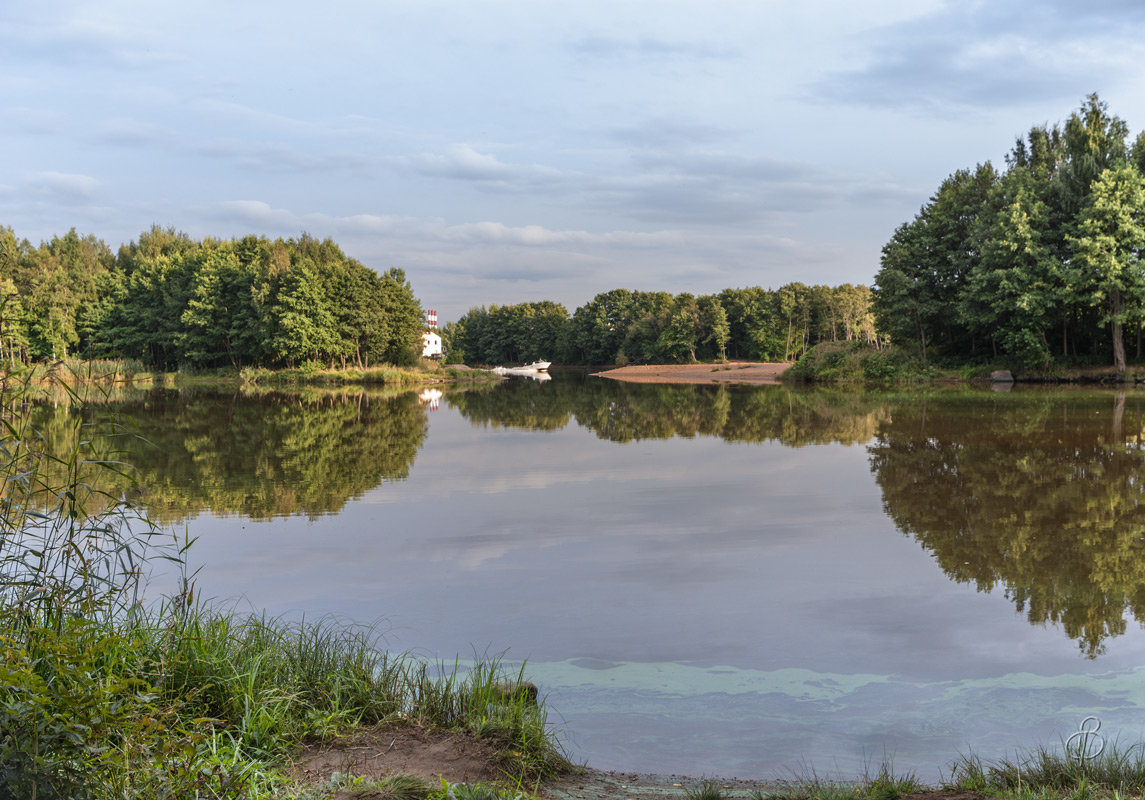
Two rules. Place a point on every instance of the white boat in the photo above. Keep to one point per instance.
(527, 369)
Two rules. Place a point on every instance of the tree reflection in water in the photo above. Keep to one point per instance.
(260, 455)
(1039, 493)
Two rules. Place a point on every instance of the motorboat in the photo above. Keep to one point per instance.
(527, 369)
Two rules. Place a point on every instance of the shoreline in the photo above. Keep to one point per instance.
(745, 372)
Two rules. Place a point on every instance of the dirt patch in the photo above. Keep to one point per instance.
(374, 753)
(731, 372)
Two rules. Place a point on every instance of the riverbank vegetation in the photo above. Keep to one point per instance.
(103, 694)
(1038, 263)
(173, 302)
(633, 327)
(1066, 773)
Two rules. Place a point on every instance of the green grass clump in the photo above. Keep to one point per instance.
(475, 700)
(883, 784)
(1045, 772)
(707, 790)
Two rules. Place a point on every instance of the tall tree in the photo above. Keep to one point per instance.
(1018, 287)
(1108, 250)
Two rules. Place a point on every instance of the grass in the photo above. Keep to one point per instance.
(883, 784)
(1044, 773)
(426, 371)
(75, 372)
(707, 790)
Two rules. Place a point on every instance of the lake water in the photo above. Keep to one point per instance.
(738, 581)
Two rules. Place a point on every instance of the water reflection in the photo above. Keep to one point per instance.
(258, 454)
(1037, 493)
(1040, 494)
(623, 412)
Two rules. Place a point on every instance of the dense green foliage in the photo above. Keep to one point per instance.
(622, 326)
(1036, 263)
(174, 302)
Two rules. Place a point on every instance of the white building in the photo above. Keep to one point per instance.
(430, 345)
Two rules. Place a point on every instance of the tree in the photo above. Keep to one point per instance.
(1108, 248)
(714, 328)
(599, 328)
(927, 261)
(303, 326)
(1093, 141)
(400, 342)
(221, 323)
(1018, 287)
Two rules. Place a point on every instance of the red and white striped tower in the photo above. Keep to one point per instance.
(431, 318)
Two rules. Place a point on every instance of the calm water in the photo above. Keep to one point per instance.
(736, 581)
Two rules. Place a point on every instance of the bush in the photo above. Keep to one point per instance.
(856, 362)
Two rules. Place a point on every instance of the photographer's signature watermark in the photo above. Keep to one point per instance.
(1086, 743)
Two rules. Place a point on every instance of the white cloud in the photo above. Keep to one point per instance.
(62, 187)
(463, 162)
(650, 47)
(263, 216)
(993, 55)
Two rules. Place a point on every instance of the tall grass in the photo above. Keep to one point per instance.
(1063, 773)
(316, 375)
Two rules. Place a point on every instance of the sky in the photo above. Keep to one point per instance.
(509, 151)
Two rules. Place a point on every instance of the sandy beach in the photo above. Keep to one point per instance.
(730, 372)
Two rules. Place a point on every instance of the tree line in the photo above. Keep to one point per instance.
(172, 301)
(622, 326)
(1039, 262)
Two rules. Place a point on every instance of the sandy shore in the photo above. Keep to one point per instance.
(731, 372)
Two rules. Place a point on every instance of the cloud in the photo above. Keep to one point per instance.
(652, 184)
(35, 121)
(665, 133)
(462, 162)
(263, 216)
(648, 48)
(257, 214)
(715, 188)
(992, 55)
(538, 236)
(62, 187)
(45, 37)
(277, 156)
(127, 132)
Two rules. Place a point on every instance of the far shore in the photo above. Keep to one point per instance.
(727, 372)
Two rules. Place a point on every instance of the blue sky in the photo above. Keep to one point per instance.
(503, 151)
